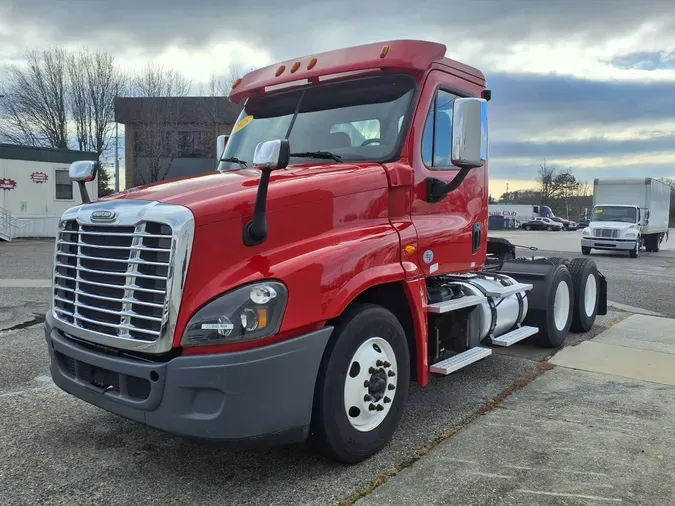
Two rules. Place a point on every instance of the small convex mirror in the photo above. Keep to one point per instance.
(84, 170)
(469, 132)
(272, 154)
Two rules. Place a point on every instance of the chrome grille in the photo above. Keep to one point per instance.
(113, 280)
(606, 232)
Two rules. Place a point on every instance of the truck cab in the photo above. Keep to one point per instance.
(337, 252)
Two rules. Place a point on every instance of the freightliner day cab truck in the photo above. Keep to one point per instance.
(338, 253)
(628, 214)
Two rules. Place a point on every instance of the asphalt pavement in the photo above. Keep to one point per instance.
(57, 449)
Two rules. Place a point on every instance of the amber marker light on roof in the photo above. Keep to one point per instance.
(311, 63)
(280, 70)
(295, 67)
(236, 83)
(385, 50)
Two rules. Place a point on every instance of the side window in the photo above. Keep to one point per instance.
(437, 136)
(64, 186)
(358, 131)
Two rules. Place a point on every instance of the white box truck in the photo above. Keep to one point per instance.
(628, 214)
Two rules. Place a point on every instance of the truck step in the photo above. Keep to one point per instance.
(505, 291)
(514, 336)
(454, 304)
(460, 360)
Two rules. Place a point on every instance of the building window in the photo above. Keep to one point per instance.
(64, 186)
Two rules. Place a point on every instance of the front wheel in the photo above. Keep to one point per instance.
(527, 227)
(585, 250)
(549, 228)
(362, 386)
(635, 252)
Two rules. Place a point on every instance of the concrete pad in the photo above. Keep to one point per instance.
(643, 332)
(570, 437)
(620, 361)
(640, 347)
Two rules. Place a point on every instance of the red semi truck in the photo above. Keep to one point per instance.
(338, 253)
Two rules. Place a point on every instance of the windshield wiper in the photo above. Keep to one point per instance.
(324, 155)
(234, 159)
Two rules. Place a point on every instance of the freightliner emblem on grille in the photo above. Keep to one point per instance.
(103, 215)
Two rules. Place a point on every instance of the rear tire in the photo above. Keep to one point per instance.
(366, 338)
(554, 322)
(527, 227)
(559, 261)
(586, 281)
(585, 250)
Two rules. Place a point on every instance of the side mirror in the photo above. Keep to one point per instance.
(469, 145)
(221, 142)
(268, 156)
(469, 132)
(83, 172)
(272, 155)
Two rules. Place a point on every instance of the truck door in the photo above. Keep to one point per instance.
(451, 233)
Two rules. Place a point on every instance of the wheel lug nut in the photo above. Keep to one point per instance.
(391, 374)
(367, 398)
(387, 364)
(372, 407)
(372, 370)
(379, 363)
(380, 407)
(391, 387)
(387, 400)
(366, 383)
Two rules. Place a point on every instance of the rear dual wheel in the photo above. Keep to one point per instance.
(362, 386)
(555, 320)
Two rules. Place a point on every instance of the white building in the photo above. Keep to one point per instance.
(35, 189)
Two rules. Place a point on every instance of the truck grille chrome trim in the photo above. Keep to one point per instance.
(119, 284)
(610, 233)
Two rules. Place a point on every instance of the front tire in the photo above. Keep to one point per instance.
(362, 386)
(634, 253)
(585, 250)
(528, 228)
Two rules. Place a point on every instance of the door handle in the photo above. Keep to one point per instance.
(477, 236)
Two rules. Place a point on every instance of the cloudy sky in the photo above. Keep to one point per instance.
(587, 84)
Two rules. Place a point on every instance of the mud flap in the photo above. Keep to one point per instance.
(602, 303)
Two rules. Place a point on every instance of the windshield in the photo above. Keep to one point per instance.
(358, 120)
(615, 213)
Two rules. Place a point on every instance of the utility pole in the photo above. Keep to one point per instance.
(117, 161)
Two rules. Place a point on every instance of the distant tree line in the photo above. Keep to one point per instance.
(60, 98)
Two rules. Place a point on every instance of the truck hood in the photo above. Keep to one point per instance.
(620, 225)
(219, 196)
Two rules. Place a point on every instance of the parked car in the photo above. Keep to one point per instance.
(567, 224)
(582, 225)
(540, 223)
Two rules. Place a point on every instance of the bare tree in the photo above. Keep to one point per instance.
(221, 85)
(36, 103)
(555, 183)
(156, 81)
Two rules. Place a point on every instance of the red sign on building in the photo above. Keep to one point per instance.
(7, 184)
(39, 177)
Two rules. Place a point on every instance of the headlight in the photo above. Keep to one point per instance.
(587, 231)
(249, 312)
(631, 234)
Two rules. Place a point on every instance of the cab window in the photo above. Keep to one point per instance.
(437, 136)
